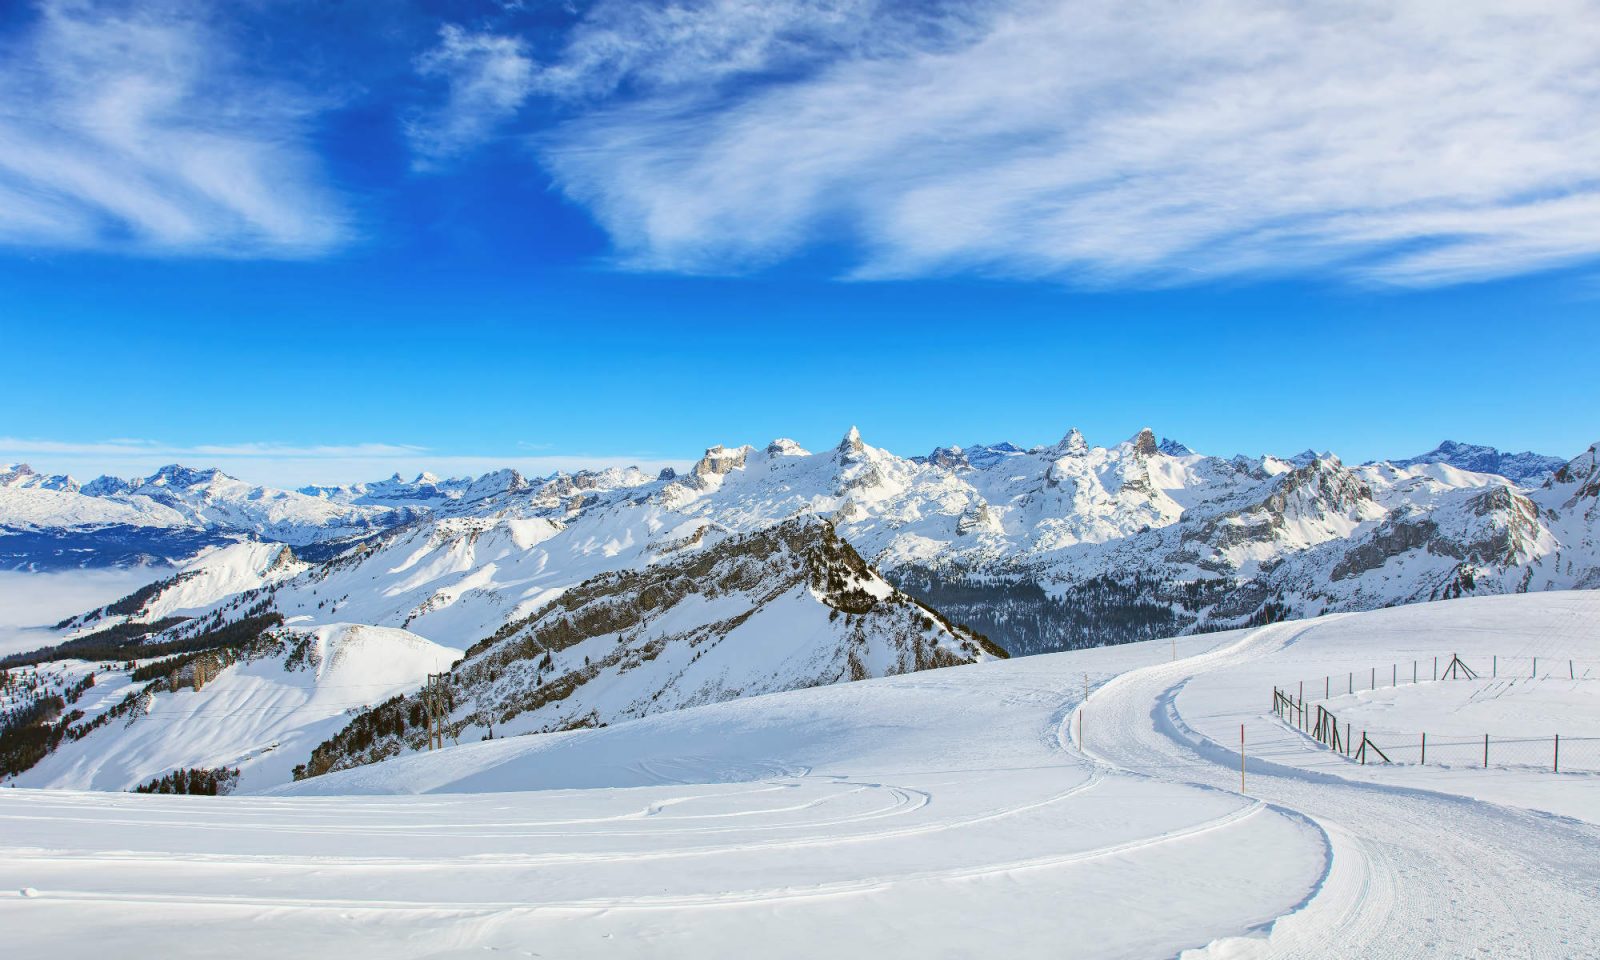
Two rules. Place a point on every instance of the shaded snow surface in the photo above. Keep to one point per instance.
(952, 813)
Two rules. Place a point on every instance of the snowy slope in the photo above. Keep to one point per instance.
(214, 574)
(986, 810)
(261, 715)
(786, 608)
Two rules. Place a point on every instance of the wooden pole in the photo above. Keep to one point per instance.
(1241, 758)
(1486, 751)
(1557, 767)
(1424, 749)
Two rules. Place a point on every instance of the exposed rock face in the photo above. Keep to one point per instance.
(789, 607)
(784, 447)
(1323, 481)
(1073, 444)
(950, 458)
(1526, 467)
(1582, 473)
(718, 461)
(1394, 537)
(977, 519)
(1144, 443)
(852, 444)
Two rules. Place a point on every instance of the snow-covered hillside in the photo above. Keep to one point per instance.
(259, 709)
(984, 810)
(715, 617)
(785, 608)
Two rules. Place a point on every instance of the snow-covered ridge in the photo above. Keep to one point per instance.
(260, 713)
(787, 607)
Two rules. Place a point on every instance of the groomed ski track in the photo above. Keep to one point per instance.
(1412, 872)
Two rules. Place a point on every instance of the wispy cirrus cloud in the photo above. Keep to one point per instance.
(1095, 141)
(132, 127)
(487, 77)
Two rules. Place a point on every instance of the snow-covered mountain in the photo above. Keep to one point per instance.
(785, 608)
(716, 617)
(258, 707)
(1050, 547)
(649, 578)
(1526, 468)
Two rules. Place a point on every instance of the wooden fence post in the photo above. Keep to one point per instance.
(1424, 749)
(1556, 768)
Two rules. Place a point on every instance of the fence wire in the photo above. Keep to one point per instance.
(1296, 705)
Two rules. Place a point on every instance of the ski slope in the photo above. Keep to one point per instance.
(987, 810)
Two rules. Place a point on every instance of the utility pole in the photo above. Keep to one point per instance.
(436, 702)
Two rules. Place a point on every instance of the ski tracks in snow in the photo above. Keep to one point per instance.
(1410, 872)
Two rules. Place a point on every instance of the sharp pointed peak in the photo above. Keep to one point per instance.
(1072, 443)
(852, 442)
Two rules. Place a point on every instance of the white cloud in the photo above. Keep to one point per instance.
(291, 465)
(1402, 141)
(131, 128)
(488, 77)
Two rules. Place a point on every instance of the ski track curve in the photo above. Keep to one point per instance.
(1411, 872)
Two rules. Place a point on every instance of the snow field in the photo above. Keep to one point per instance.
(951, 813)
(936, 812)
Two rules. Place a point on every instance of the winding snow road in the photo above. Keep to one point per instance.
(1413, 873)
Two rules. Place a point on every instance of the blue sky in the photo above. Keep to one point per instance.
(325, 242)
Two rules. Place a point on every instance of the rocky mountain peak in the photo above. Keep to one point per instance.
(784, 447)
(718, 461)
(178, 475)
(1144, 443)
(949, 458)
(1073, 444)
(1526, 467)
(852, 443)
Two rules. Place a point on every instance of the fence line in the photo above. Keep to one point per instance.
(1555, 754)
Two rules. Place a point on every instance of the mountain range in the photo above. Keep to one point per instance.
(589, 598)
